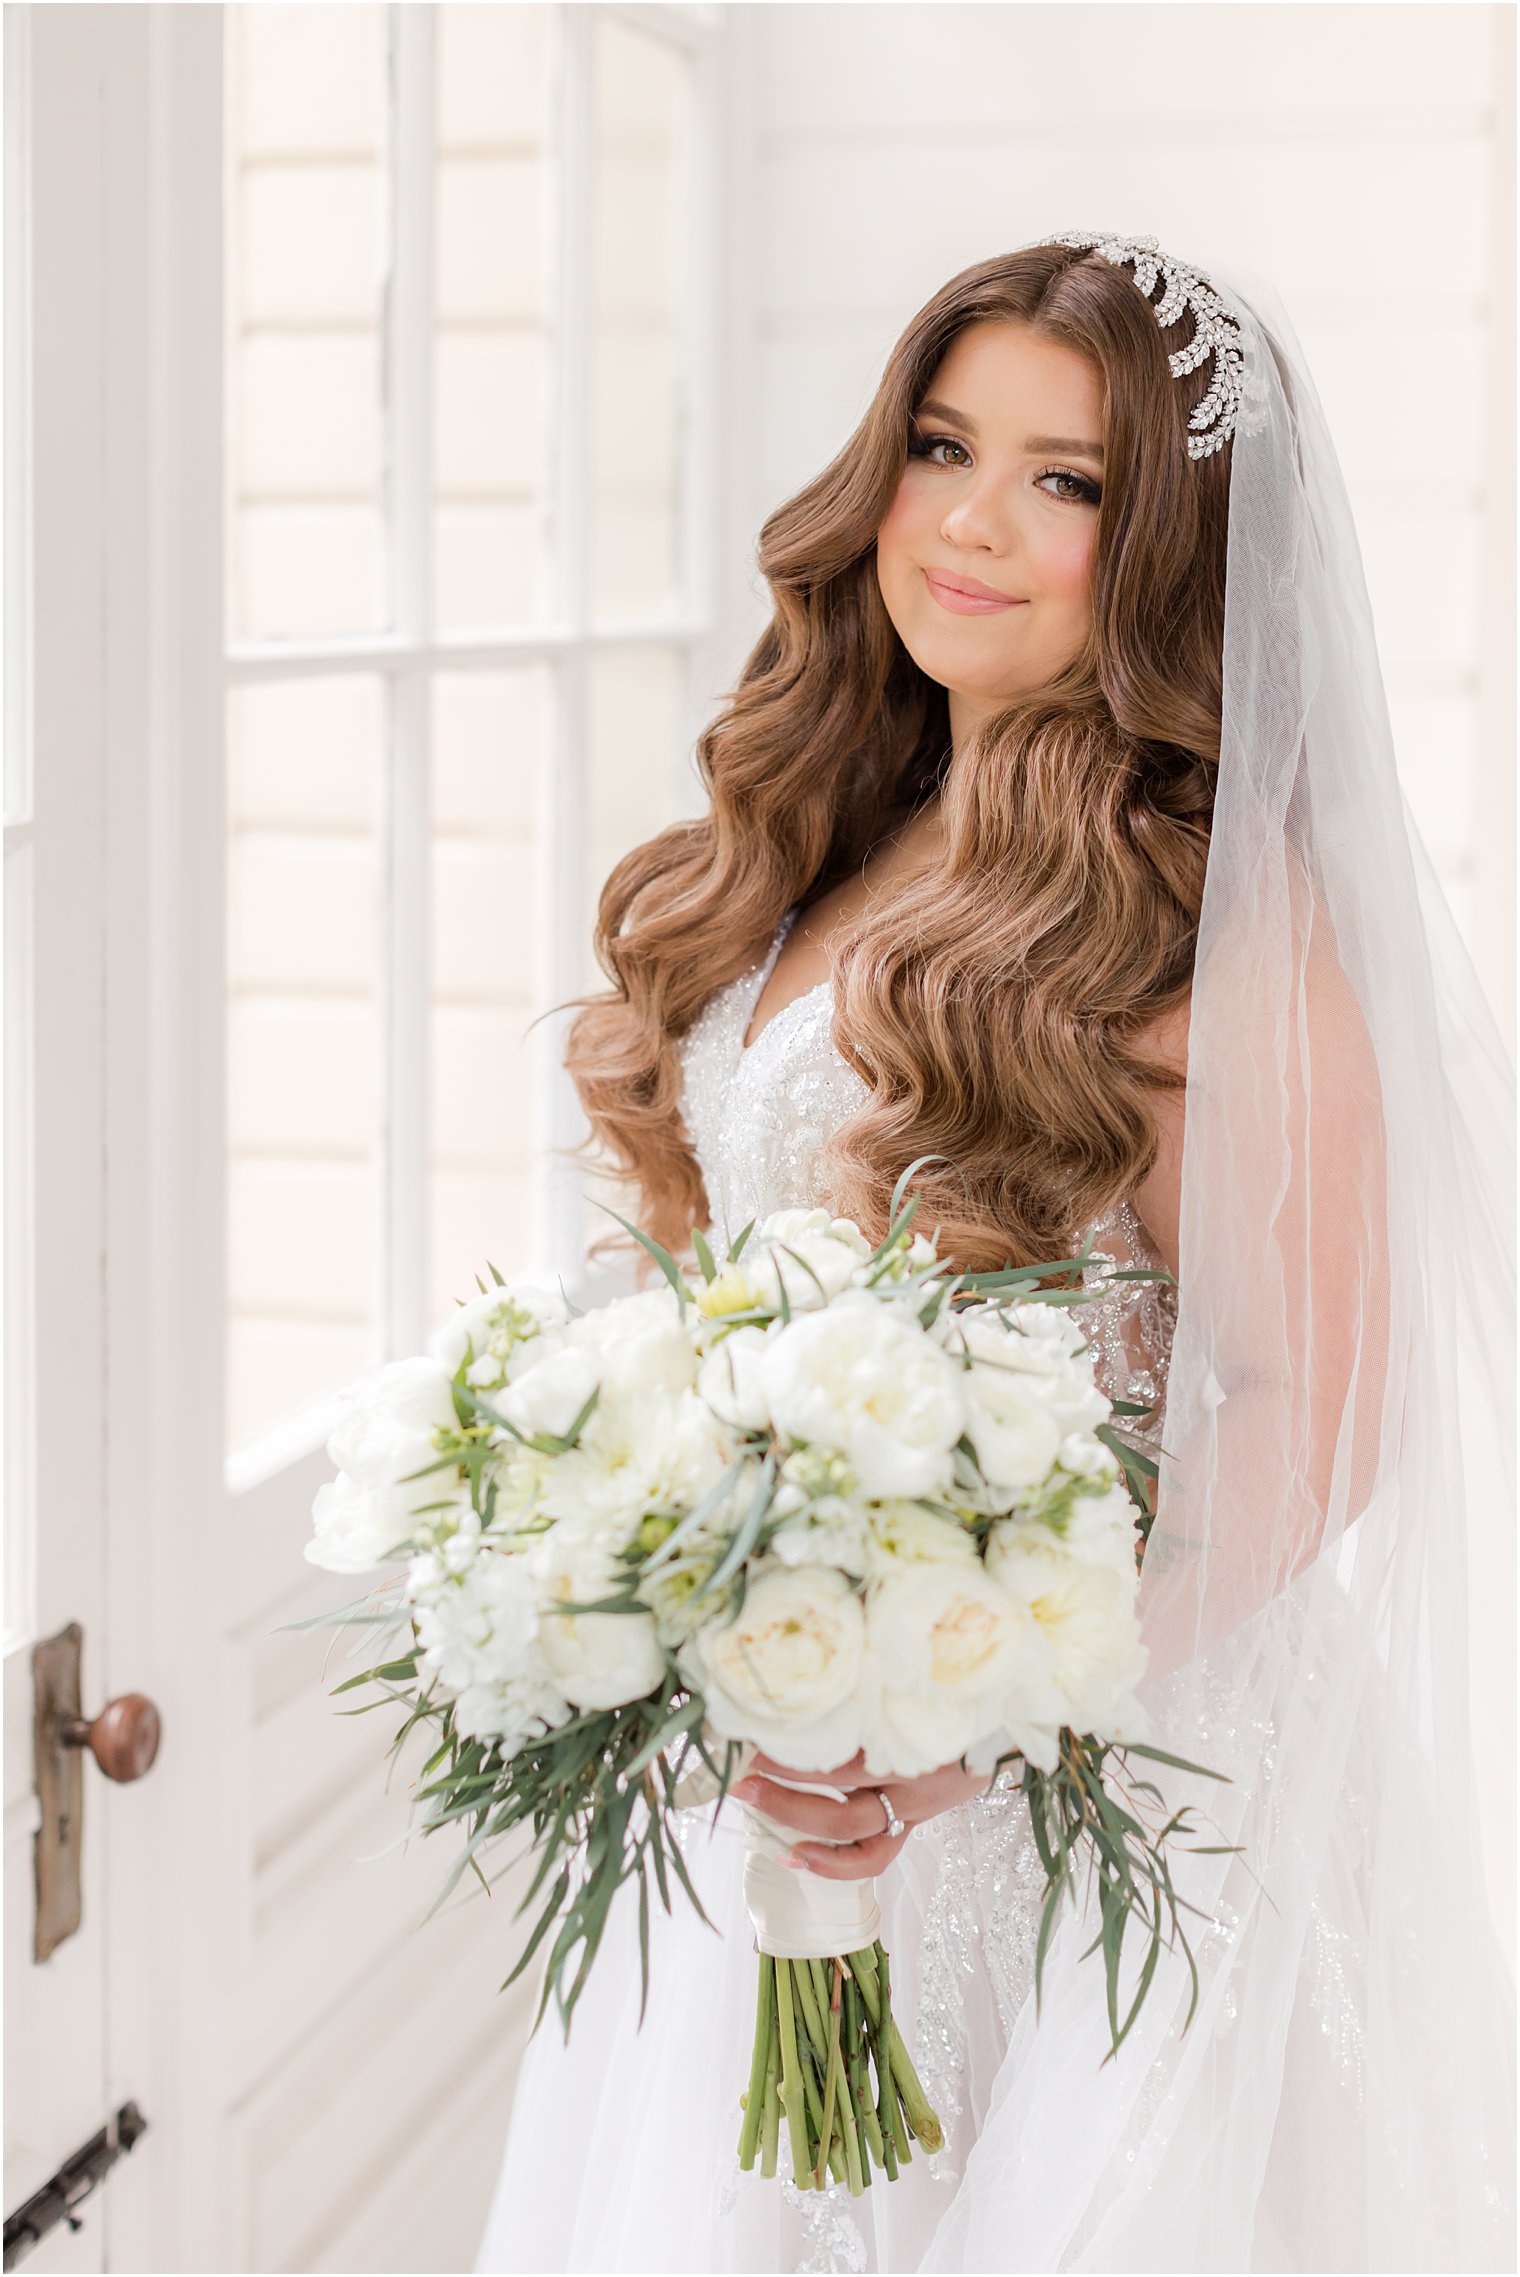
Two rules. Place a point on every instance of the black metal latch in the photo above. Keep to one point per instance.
(56, 2201)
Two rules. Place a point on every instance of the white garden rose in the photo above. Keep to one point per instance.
(859, 1378)
(495, 1330)
(599, 1660)
(729, 1379)
(787, 1670)
(1085, 1610)
(949, 1649)
(659, 1453)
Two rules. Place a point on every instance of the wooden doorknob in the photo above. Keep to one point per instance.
(123, 1738)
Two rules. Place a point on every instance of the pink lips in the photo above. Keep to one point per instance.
(965, 597)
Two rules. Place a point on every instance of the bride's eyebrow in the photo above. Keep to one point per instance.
(1076, 450)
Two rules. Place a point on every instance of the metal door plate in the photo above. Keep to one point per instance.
(60, 1789)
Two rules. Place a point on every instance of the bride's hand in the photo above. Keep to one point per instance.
(850, 1841)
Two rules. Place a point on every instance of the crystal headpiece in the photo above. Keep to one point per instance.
(1216, 328)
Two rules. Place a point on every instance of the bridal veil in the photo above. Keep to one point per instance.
(1335, 1502)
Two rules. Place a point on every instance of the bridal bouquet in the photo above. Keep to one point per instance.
(817, 1497)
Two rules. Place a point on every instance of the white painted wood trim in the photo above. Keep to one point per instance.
(407, 947)
(562, 802)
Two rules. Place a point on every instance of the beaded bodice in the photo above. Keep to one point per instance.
(758, 1116)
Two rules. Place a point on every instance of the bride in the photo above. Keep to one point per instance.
(1054, 832)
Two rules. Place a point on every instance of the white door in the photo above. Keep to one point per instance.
(56, 2061)
(371, 495)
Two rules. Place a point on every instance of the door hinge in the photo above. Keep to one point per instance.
(58, 2200)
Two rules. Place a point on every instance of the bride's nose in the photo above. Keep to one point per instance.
(979, 520)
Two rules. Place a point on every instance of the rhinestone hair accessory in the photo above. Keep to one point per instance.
(1216, 330)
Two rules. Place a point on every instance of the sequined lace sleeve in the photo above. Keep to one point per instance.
(1130, 1326)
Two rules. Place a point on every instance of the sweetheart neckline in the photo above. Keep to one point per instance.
(817, 989)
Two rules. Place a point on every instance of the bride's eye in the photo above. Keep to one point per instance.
(1086, 492)
(920, 445)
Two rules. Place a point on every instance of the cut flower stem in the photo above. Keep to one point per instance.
(828, 2056)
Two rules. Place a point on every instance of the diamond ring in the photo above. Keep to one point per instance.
(895, 1825)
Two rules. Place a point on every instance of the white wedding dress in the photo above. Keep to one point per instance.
(621, 2152)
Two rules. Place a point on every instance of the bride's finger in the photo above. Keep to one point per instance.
(851, 1774)
(820, 1815)
(849, 1861)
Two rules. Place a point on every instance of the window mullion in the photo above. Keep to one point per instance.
(562, 804)
(409, 477)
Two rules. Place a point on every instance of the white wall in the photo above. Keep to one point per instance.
(1360, 156)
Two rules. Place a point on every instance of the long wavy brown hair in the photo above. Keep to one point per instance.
(996, 1008)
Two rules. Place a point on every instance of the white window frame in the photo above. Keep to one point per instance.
(411, 651)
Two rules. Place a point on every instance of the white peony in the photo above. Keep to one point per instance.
(496, 1329)
(861, 1379)
(638, 1344)
(902, 1533)
(950, 1649)
(825, 1257)
(599, 1660)
(388, 1431)
(730, 1381)
(549, 1395)
(1057, 1366)
(1085, 1610)
(1014, 1432)
(1102, 1527)
(787, 1670)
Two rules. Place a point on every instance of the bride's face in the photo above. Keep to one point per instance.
(1000, 495)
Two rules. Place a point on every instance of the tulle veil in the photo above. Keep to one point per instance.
(1337, 1496)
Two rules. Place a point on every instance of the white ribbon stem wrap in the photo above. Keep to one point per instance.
(797, 1916)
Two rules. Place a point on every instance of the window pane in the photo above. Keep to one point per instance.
(491, 435)
(306, 765)
(306, 215)
(488, 732)
(641, 95)
(637, 765)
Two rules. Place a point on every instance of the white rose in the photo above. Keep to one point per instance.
(787, 1670)
(492, 1329)
(729, 1379)
(599, 1660)
(1086, 1612)
(949, 1648)
(859, 1378)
